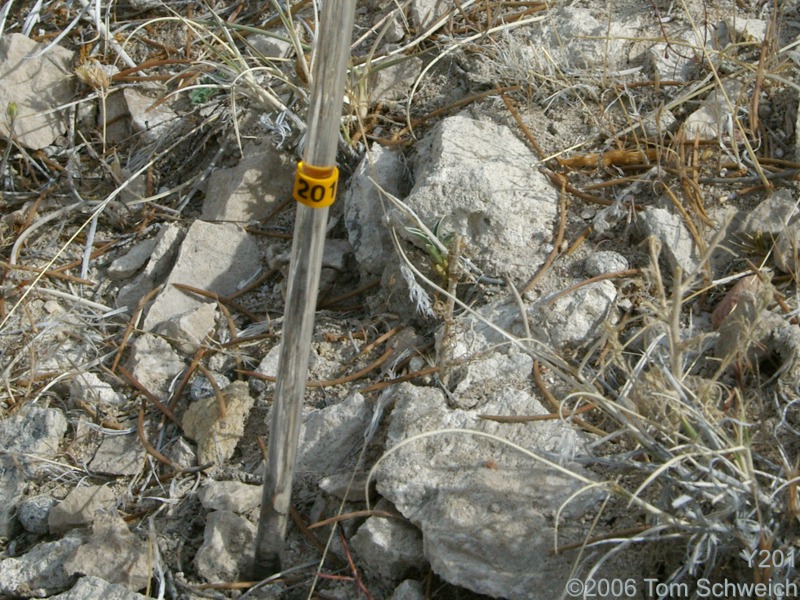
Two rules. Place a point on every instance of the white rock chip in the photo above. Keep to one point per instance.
(80, 506)
(231, 496)
(113, 554)
(216, 436)
(37, 86)
(486, 511)
(365, 208)
(252, 189)
(40, 572)
(217, 257)
(221, 557)
(389, 548)
(482, 180)
(90, 587)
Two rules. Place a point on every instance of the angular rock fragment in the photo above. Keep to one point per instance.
(80, 506)
(216, 257)
(221, 558)
(252, 189)
(217, 436)
(37, 85)
(389, 548)
(481, 181)
(90, 587)
(486, 511)
(113, 554)
(40, 572)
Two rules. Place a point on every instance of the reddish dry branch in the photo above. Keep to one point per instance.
(149, 395)
(143, 438)
(219, 298)
(198, 356)
(616, 158)
(223, 410)
(329, 382)
(560, 181)
(132, 325)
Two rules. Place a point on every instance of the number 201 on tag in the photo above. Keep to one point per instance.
(316, 192)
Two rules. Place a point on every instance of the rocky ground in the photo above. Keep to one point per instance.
(557, 332)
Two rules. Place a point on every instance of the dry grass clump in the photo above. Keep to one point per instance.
(706, 435)
(703, 416)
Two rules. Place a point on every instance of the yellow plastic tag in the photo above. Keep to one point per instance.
(315, 186)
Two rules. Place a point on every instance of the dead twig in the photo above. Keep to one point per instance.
(219, 298)
(132, 325)
(149, 395)
(223, 410)
(143, 438)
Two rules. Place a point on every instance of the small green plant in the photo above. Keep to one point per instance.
(437, 255)
(203, 93)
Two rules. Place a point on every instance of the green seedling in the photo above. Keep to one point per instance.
(440, 259)
(204, 93)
